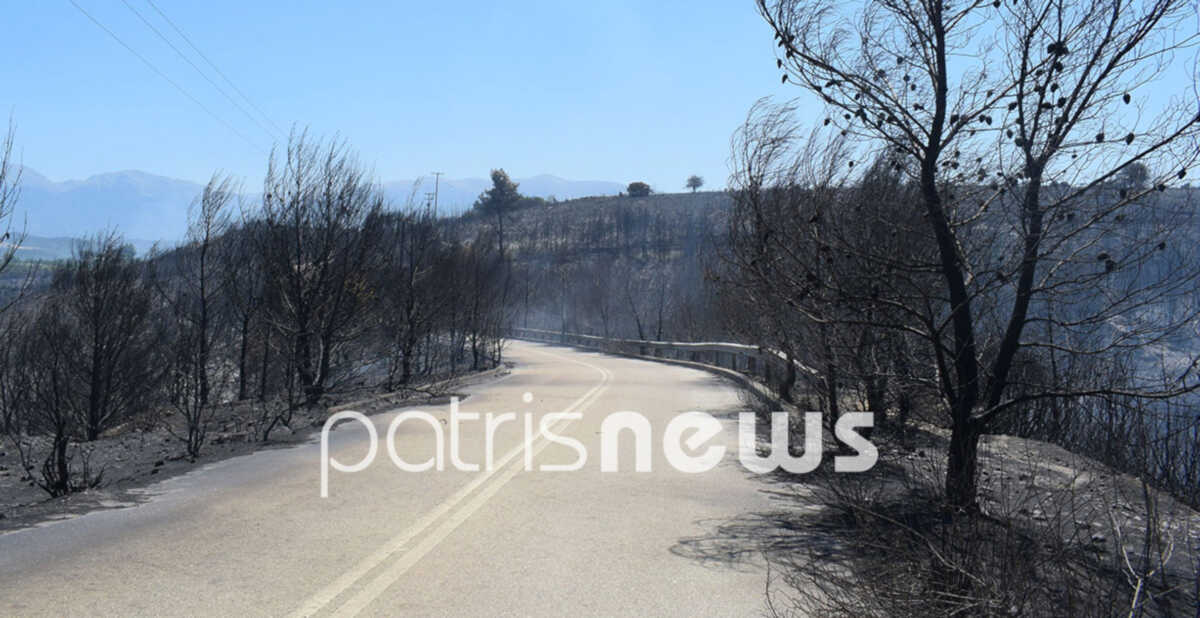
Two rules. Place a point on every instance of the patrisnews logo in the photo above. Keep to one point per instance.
(689, 442)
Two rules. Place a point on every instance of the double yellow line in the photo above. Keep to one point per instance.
(404, 550)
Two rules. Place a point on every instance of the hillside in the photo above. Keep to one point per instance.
(612, 266)
(43, 248)
(456, 195)
(152, 208)
(607, 224)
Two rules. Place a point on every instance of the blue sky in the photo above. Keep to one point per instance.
(608, 90)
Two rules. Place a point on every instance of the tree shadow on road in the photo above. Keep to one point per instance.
(798, 522)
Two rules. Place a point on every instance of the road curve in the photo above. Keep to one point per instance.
(251, 536)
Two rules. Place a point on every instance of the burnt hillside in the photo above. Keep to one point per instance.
(614, 266)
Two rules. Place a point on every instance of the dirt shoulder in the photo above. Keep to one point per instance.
(133, 459)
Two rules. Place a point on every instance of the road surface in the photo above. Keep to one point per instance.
(251, 536)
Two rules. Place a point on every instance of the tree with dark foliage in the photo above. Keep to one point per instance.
(638, 189)
(498, 202)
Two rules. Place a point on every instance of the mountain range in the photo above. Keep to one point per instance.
(147, 208)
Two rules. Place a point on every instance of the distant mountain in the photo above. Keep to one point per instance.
(138, 204)
(146, 208)
(457, 195)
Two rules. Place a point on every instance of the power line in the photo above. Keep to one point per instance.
(156, 31)
(188, 40)
(168, 79)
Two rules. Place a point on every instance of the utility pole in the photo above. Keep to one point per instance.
(437, 177)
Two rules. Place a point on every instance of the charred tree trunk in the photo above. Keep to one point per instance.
(243, 351)
(961, 471)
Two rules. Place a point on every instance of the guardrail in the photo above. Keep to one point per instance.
(768, 365)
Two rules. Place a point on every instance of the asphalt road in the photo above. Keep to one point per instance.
(252, 536)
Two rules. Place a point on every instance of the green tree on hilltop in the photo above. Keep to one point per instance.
(498, 201)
